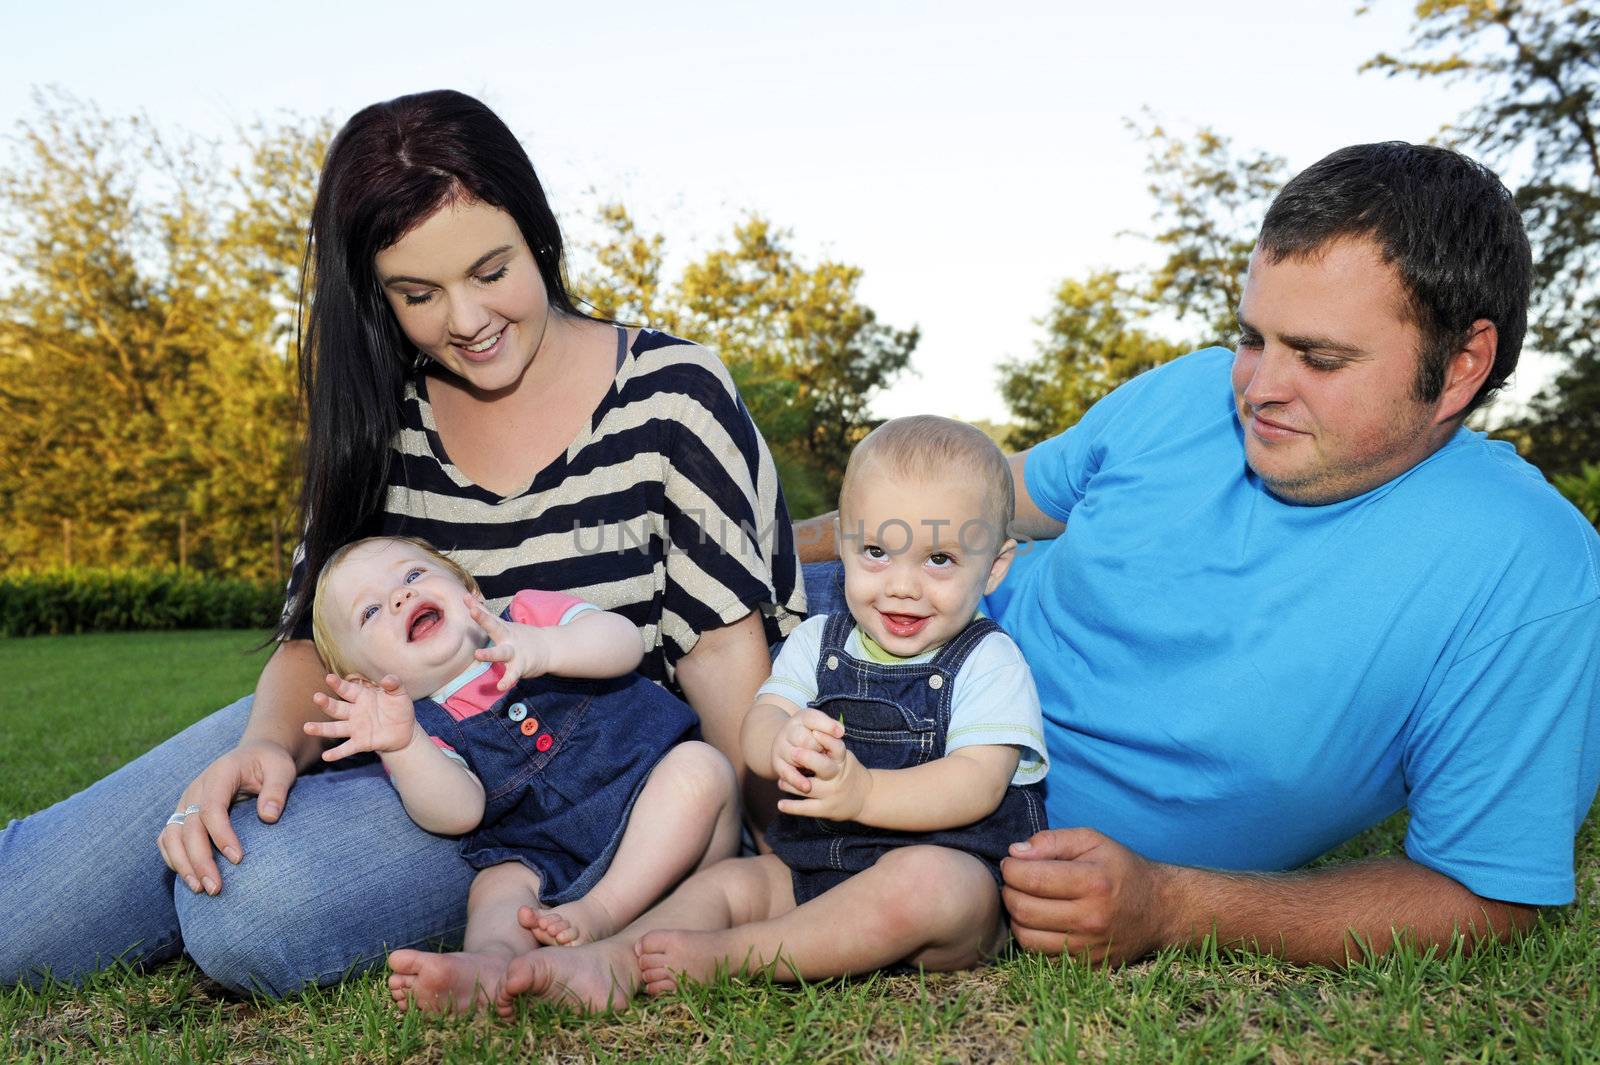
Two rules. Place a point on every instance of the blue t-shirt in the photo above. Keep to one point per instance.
(1232, 681)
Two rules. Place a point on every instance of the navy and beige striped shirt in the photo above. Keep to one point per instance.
(665, 508)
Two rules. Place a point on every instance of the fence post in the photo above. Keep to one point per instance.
(66, 541)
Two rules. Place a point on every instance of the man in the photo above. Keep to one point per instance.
(1288, 594)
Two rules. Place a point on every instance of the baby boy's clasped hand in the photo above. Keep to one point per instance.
(839, 785)
(801, 750)
(367, 717)
(523, 648)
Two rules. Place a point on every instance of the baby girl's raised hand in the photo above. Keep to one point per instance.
(369, 717)
(838, 787)
(524, 649)
(808, 745)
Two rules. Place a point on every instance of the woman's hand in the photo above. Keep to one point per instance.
(255, 767)
(368, 717)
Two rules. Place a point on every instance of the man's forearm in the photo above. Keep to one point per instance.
(814, 538)
(1318, 916)
(283, 703)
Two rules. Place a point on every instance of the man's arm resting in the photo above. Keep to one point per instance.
(1077, 891)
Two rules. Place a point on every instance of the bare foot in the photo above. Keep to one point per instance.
(591, 978)
(445, 983)
(666, 957)
(585, 920)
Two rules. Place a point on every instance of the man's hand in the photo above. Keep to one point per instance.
(839, 784)
(525, 649)
(797, 749)
(367, 717)
(1076, 891)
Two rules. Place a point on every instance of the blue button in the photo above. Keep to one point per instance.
(518, 711)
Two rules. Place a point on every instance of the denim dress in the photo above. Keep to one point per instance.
(562, 761)
(895, 717)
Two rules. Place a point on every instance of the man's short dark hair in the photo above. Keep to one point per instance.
(1446, 223)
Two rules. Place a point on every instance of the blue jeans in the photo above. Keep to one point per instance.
(341, 879)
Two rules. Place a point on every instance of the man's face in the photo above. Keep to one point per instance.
(1325, 372)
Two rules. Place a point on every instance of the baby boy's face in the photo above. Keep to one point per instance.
(396, 610)
(918, 555)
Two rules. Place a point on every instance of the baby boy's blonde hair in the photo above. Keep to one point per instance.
(929, 447)
(322, 609)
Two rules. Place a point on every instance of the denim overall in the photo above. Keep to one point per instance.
(895, 717)
(561, 761)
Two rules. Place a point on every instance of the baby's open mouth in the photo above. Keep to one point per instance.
(424, 619)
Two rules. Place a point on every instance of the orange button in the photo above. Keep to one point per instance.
(534, 722)
(543, 742)
(529, 726)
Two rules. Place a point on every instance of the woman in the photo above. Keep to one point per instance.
(455, 392)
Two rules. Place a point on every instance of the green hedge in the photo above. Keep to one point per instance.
(80, 599)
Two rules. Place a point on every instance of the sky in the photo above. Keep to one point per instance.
(967, 157)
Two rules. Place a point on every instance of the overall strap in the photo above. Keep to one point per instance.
(953, 654)
(838, 628)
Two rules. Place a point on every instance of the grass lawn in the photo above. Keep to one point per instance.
(75, 707)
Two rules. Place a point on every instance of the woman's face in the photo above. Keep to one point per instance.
(467, 293)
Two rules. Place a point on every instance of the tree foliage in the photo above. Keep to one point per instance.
(807, 353)
(145, 344)
(1091, 347)
(1536, 66)
(1207, 202)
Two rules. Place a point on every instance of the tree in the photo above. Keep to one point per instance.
(144, 346)
(1090, 348)
(807, 354)
(1208, 205)
(1209, 202)
(1537, 65)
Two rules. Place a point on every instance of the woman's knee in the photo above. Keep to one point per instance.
(343, 877)
(253, 935)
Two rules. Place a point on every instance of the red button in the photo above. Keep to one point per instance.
(543, 742)
(529, 726)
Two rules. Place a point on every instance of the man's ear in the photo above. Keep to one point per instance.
(1467, 369)
(1002, 563)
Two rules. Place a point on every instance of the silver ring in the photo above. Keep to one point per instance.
(192, 808)
(175, 819)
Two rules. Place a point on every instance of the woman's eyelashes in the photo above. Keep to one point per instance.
(414, 299)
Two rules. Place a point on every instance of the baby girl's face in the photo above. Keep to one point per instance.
(398, 611)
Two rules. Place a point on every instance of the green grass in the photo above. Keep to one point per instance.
(75, 707)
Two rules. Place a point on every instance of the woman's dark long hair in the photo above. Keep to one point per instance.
(390, 167)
